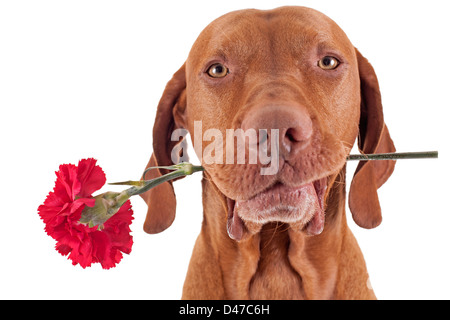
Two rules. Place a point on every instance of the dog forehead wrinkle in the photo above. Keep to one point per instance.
(239, 39)
(231, 33)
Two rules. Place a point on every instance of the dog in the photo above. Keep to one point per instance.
(290, 71)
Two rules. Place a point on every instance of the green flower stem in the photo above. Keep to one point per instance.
(185, 168)
(149, 184)
(393, 156)
(108, 203)
(180, 170)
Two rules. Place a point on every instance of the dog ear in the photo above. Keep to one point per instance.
(161, 200)
(373, 138)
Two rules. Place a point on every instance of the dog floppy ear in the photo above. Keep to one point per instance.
(161, 200)
(373, 138)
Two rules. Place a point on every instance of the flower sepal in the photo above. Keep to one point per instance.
(106, 205)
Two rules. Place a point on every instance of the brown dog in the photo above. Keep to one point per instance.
(281, 235)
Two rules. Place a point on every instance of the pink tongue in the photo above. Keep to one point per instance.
(235, 225)
(316, 224)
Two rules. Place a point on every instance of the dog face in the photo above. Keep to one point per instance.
(290, 72)
(273, 81)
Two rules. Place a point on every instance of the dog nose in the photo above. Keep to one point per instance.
(292, 123)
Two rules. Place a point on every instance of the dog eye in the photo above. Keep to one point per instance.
(217, 70)
(328, 63)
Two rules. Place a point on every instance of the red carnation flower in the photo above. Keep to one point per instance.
(62, 210)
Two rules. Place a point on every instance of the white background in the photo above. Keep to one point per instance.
(82, 79)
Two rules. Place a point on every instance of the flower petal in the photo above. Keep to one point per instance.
(91, 177)
(67, 184)
(61, 212)
(118, 230)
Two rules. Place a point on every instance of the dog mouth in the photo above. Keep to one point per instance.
(301, 207)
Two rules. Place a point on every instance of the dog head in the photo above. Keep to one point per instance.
(274, 101)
